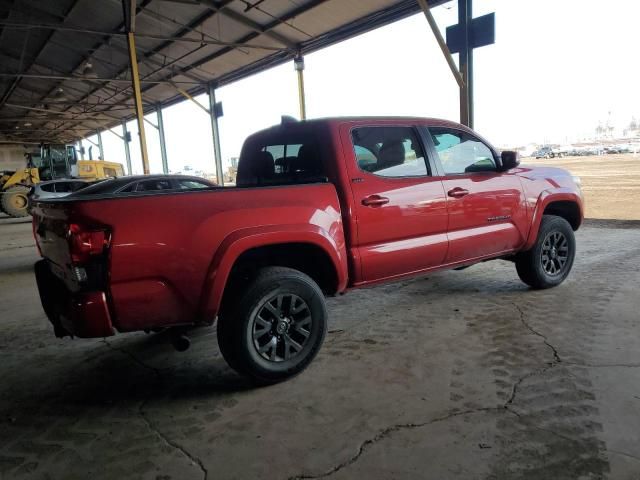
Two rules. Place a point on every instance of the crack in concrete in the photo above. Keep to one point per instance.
(382, 434)
(624, 454)
(141, 412)
(561, 436)
(135, 359)
(604, 365)
(171, 443)
(386, 432)
(556, 357)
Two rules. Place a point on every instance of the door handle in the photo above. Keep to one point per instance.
(374, 201)
(458, 192)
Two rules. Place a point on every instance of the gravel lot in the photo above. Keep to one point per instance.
(461, 375)
(611, 183)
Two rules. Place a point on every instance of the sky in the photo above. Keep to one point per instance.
(557, 70)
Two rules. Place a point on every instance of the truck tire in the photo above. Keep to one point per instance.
(274, 328)
(15, 201)
(550, 260)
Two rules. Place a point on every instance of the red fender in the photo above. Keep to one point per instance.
(547, 197)
(240, 241)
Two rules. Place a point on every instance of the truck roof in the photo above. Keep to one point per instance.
(290, 123)
(364, 119)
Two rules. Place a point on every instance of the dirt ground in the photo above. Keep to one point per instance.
(462, 375)
(611, 183)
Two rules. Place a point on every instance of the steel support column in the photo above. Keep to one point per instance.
(127, 153)
(81, 149)
(298, 63)
(465, 15)
(100, 147)
(163, 144)
(137, 96)
(215, 134)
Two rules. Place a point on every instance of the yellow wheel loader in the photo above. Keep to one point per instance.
(52, 162)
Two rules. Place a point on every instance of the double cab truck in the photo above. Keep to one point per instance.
(319, 207)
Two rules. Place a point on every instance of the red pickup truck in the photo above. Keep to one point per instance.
(320, 207)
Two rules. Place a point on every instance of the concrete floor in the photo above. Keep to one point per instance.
(463, 375)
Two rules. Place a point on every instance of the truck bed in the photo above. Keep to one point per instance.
(164, 247)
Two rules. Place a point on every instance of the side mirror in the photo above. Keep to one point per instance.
(510, 159)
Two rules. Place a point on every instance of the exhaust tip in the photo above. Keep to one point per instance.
(180, 342)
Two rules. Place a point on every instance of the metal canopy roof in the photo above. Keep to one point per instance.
(65, 67)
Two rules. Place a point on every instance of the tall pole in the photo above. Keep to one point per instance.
(465, 15)
(100, 147)
(163, 144)
(125, 139)
(137, 96)
(298, 64)
(215, 131)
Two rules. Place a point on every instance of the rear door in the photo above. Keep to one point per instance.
(399, 205)
(487, 209)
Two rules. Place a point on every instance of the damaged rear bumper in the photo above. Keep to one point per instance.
(82, 314)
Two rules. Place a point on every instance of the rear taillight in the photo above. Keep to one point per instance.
(85, 243)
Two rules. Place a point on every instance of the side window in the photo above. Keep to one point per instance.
(153, 185)
(191, 185)
(75, 186)
(389, 151)
(63, 187)
(460, 152)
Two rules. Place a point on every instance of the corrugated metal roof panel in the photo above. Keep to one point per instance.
(45, 46)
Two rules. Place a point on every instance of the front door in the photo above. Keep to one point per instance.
(399, 206)
(487, 209)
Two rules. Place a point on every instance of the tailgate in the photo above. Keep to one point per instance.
(50, 229)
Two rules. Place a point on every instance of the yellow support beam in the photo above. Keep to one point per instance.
(186, 95)
(298, 63)
(137, 96)
(442, 43)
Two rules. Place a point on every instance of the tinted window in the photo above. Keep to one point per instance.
(281, 158)
(104, 186)
(460, 152)
(191, 185)
(389, 151)
(63, 187)
(154, 185)
(48, 188)
(75, 186)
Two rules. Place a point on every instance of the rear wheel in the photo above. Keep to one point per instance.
(275, 328)
(550, 260)
(15, 201)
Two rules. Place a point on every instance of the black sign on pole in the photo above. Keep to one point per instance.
(482, 32)
(462, 38)
(217, 109)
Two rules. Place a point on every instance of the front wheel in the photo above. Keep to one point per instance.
(275, 328)
(550, 260)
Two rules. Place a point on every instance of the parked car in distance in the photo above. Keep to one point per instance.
(551, 152)
(543, 152)
(141, 184)
(320, 207)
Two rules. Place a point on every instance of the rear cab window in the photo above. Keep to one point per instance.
(281, 156)
(392, 151)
